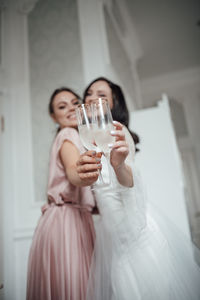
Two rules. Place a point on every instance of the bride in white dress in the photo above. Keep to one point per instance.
(139, 254)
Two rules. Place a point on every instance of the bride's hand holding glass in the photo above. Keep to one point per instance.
(119, 149)
(118, 155)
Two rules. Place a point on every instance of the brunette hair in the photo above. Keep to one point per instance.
(119, 111)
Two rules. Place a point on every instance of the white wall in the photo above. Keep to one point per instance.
(168, 33)
(184, 87)
(55, 61)
(1, 198)
(160, 163)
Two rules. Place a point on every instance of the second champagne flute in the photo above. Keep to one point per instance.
(85, 128)
(102, 126)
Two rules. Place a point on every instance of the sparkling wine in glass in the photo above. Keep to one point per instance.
(84, 118)
(85, 128)
(102, 126)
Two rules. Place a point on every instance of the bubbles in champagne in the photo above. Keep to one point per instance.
(103, 137)
(86, 136)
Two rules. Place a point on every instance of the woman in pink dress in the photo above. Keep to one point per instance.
(62, 245)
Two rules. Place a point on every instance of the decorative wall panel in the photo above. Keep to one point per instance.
(55, 61)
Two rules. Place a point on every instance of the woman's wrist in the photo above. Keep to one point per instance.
(119, 167)
(124, 174)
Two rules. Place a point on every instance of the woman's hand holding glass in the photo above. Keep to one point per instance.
(120, 148)
(88, 167)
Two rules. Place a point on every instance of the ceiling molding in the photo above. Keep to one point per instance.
(172, 80)
(21, 6)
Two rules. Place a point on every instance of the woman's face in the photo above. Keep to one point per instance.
(64, 105)
(99, 89)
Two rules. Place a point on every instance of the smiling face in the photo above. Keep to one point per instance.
(64, 104)
(99, 89)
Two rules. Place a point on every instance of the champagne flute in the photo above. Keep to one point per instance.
(84, 118)
(85, 128)
(102, 126)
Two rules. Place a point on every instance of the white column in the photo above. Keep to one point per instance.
(137, 86)
(17, 168)
(18, 85)
(93, 36)
(119, 14)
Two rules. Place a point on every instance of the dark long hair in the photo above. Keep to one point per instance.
(119, 111)
(56, 92)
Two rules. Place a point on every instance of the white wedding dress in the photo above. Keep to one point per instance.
(139, 254)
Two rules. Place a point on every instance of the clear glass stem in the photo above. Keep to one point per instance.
(100, 182)
(101, 177)
(111, 171)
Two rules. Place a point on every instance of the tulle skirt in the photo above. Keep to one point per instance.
(139, 254)
(60, 255)
(155, 264)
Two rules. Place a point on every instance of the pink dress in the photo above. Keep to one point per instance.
(62, 245)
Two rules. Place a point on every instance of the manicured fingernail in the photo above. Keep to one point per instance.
(99, 154)
(112, 132)
(94, 152)
(114, 122)
(98, 159)
(110, 145)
